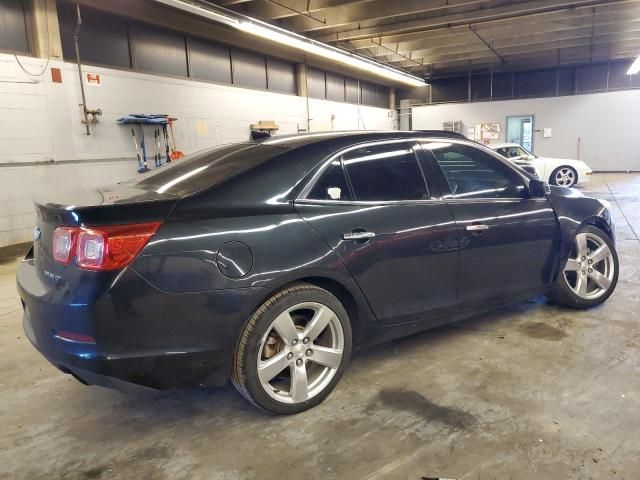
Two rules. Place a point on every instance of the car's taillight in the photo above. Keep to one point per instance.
(64, 239)
(110, 247)
(91, 248)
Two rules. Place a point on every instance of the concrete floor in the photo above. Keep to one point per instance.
(529, 392)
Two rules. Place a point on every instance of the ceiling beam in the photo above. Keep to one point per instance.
(229, 3)
(540, 61)
(270, 10)
(541, 49)
(575, 19)
(476, 16)
(435, 35)
(612, 34)
(355, 14)
(503, 61)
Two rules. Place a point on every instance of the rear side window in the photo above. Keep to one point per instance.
(206, 168)
(472, 173)
(332, 185)
(509, 152)
(385, 173)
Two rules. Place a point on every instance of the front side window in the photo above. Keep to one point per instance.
(513, 152)
(474, 174)
(504, 151)
(524, 153)
(385, 173)
(508, 152)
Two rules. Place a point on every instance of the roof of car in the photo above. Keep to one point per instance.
(258, 172)
(352, 136)
(495, 146)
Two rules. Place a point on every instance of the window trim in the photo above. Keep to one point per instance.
(311, 201)
(347, 180)
(417, 141)
(447, 195)
(413, 143)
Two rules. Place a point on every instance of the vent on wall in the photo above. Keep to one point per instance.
(454, 126)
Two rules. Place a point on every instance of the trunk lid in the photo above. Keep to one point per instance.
(117, 205)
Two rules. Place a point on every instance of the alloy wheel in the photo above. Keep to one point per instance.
(590, 270)
(300, 353)
(565, 177)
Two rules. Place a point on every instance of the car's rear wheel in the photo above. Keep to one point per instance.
(293, 350)
(564, 177)
(590, 274)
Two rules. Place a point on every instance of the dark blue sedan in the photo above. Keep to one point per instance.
(267, 262)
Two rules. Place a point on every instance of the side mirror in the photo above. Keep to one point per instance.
(539, 189)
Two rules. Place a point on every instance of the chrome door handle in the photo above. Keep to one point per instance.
(358, 235)
(477, 228)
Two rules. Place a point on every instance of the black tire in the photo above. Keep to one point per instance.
(244, 375)
(552, 178)
(560, 292)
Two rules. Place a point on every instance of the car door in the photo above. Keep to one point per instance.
(507, 239)
(397, 237)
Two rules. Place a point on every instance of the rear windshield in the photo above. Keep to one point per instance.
(205, 168)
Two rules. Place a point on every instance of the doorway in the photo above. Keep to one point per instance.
(520, 130)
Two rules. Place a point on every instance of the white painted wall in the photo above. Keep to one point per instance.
(40, 121)
(607, 124)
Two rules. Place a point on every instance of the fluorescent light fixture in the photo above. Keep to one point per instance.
(314, 47)
(635, 67)
(290, 39)
(201, 11)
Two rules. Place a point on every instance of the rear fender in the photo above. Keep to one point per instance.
(185, 256)
(345, 290)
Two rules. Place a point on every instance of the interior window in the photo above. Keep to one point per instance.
(332, 185)
(472, 173)
(509, 152)
(384, 173)
(522, 152)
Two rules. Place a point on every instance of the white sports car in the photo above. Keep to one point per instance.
(557, 171)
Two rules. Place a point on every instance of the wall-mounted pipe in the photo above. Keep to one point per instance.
(76, 38)
(578, 156)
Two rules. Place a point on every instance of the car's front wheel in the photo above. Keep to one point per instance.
(564, 177)
(590, 274)
(293, 350)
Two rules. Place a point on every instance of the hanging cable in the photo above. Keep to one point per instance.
(44, 69)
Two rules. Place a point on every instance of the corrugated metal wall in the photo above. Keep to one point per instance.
(249, 69)
(281, 76)
(208, 61)
(13, 27)
(534, 84)
(157, 51)
(111, 40)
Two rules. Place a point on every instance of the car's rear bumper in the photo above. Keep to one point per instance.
(135, 336)
(584, 176)
(162, 371)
